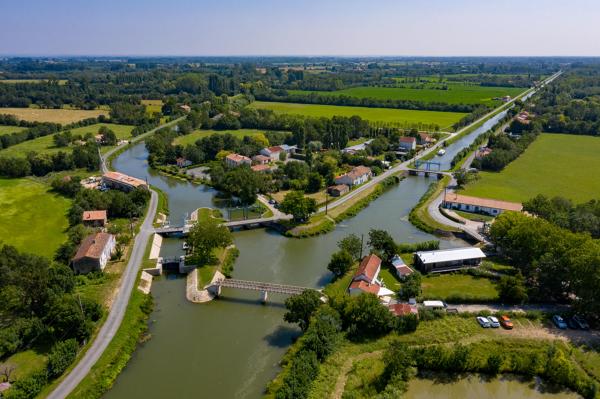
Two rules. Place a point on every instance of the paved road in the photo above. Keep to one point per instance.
(119, 306)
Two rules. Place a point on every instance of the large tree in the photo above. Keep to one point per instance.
(204, 237)
(340, 263)
(351, 244)
(297, 205)
(301, 307)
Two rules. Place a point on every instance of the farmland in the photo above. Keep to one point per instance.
(198, 134)
(10, 129)
(554, 164)
(45, 144)
(387, 115)
(153, 106)
(63, 116)
(32, 219)
(457, 93)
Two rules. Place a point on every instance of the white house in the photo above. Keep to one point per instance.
(358, 175)
(480, 205)
(272, 152)
(93, 253)
(235, 160)
(407, 143)
(365, 280)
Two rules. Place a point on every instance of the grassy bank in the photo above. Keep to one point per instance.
(419, 216)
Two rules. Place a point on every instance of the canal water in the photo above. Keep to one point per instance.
(231, 347)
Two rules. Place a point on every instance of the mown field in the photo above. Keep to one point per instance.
(63, 116)
(9, 129)
(389, 115)
(32, 218)
(46, 144)
(457, 93)
(153, 106)
(554, 164)
(198, 134)
(449, 286)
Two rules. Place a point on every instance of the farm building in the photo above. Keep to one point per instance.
(448, 259)
(123, 182)
(402, 270)
(94, 218)
(358, 175)
(479, 205)
(338, 190)
(407, 143)
(235, 160)
(93, 253)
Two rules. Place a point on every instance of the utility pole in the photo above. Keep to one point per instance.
(362, 244)
(326, 201)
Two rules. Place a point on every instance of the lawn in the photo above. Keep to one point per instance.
(198, 134)
(32, 218)
(45, 144)
(63, 116)
(457, 93)
(9, 129)
(402, 116)
(153, 106)
(554, 164)
(457, 285)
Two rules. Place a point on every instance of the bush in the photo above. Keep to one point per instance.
(29, 387)
(61, 356)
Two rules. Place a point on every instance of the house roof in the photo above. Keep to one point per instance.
(339, 187)
(92, 246)
(94, 215)
(124, 179)
(356, 172)
(424, 136)
(368, 266)
(260, 168)
(273, 149)
(397, 261)
(404, 270)
(449, 255)
(403, 309)
(260, 158)
(407, 139)
(483, 202)
(365, 287)
(237, 158)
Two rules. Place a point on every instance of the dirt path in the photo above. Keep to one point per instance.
(343, 377)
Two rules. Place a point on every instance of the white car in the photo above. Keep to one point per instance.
(494, 323)
(483, 322)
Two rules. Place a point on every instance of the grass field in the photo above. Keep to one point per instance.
(153, 106)
(457, 93)
(46, 144)
(554, 164)
(63, 116)
(447, 286)
(198, 134)
(15, 81)
(9, 129)
(32, 218)
(443, 119)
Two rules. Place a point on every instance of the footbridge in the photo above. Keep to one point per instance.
(232, 225)
(263, 288)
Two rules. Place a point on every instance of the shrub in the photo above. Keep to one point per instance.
(61, 356)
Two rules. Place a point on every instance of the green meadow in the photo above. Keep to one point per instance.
(198, 134)
(32, 218)
(387, 115)
(9, 129)
(554, 164)
(457, 93)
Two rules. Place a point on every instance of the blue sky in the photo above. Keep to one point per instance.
(310, 27)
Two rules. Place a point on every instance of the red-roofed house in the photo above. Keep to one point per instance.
(272, 152)
(358, 175)
(94, 218)
(402, 270)
(403, 309)
(425, 139)
(261, 168)
(408, 143)
(369, 269)
(235, 160)
(93, 253)
(261, 159)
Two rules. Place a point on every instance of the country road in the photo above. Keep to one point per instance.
(119, 306)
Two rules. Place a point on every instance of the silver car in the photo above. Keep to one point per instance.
(494, 323)
(483, 322)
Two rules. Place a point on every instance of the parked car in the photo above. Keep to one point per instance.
(572, 323)
(506, 322)
(559, 322)
(581, 323)
(483, 322)
(494, 323)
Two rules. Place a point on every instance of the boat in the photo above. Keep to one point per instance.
(185, 245)
(441, 152)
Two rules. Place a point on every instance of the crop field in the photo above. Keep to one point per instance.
(198, 134)
(9, 129)
(46, 144)
(32, 218)
(457, 93)
(388, 115)
(554, 164)
(63, 116)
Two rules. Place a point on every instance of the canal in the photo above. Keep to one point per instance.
(231, 347)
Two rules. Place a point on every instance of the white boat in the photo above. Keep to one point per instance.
(441, 152)
(185, 245)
